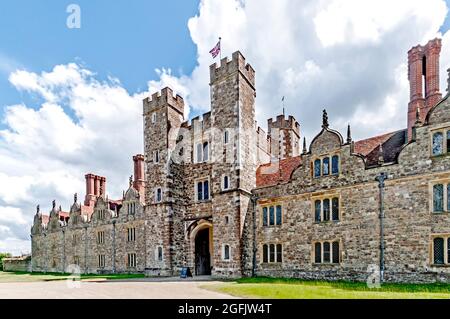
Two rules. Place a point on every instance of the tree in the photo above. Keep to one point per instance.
(3, 255)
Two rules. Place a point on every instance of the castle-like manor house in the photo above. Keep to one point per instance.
(222, 197)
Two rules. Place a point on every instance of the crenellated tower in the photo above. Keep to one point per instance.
(285, 137)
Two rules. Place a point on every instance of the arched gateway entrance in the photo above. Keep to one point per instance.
(202, 252)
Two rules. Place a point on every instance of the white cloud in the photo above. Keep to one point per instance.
(347, 56)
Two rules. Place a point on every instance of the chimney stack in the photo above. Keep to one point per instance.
(139, 179)
(90, 192)
(423, 74)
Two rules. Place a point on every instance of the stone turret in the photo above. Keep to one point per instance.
(285, 136)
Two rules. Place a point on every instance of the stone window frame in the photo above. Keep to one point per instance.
(223, 252)
(156, 195)
(159, 249)
(330, 163)
(202, 180)
(322, 197)
(100, 237)
(266, 247)
(226, 137)
(101, 261)
(275, 205)
(156, 157)
(154, 117)
(131, 260)
(223, 182)
(101, 214)
(131, 234)
(322, 242)
(199, 151)
(131, 208)
(446, 207)
(445, 145)
(446, 252)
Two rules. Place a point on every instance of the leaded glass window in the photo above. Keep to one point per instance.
(265, 216)
(265, 257)
(272, 216)
(205, 152)
(438, 245)
(448, 141)
(226, 252)
(206, 190)
(326, 209)
(317, 168)
(438, 198)
(326, 166)
(199, 190)
(279, 253)
(335, 165)
(326, 252)
(279, 215)
(272, 253)
(317, 210)
(438, 143)
(318, 253)
(336, 252)
(335, 208)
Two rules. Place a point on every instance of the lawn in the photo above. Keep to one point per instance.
(298, 289)
(30, 277)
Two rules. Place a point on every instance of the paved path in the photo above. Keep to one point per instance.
(110, 289)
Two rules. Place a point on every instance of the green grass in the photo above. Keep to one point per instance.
(280, 288)
(31, 277)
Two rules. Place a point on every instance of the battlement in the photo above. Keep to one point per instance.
(282, 123)
(237, 64)
(163, 98)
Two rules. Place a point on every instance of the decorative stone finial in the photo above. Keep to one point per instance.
(75, 198)
(418, 121)
(38, 209)
(304, 146)
(60, 208)
(325, 119)
(131, 180)
(380, 155)
(349, 134)
(448, 81)
(54, 204)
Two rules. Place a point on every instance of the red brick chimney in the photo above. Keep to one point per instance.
(139, 179)
(423, 72)
(90, 192)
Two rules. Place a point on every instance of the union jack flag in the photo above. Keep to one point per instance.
(216, 50)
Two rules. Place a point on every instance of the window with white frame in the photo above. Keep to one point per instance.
(226, 252)
(441, 197)
(326, 209)
(440, 142)
(202, 150)
(100, 237)
(158, 195)
(101, 261)
(272, 215)
(441, 250)
(327, 252)
(131, 234)
(226, 182)
(202, 190)
(131, 260)
(272, 253)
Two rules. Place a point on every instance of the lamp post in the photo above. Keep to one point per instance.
(381, 179)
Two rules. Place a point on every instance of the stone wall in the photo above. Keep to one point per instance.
(19, 264)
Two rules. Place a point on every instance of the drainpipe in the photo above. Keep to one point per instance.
(381, 178)
(254, 199)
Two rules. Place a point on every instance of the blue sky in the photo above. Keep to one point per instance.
(126, 39)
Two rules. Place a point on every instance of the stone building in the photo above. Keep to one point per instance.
(219, 195)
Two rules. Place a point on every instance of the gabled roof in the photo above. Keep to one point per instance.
(391, 143)
(276, 172)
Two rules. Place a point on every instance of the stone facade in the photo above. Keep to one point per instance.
(219, 195)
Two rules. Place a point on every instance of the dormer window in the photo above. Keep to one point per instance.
(326, 166)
